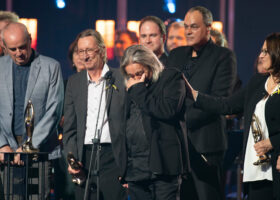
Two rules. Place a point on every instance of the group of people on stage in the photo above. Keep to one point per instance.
(153, 128)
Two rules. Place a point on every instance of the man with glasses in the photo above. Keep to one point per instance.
(212, 70)
(93, 109)
(28, 76)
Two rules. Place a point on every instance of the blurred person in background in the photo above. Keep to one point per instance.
(175, 36)
(5, 18)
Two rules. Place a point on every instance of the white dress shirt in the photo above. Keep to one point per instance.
(261, 172)
(93, 108)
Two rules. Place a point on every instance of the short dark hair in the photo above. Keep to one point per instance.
(132, 35)
(206, 14)
(273, 49)
(157, 21)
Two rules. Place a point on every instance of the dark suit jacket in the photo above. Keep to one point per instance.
(245, 101)
(161, 105)
(213, 74)
(75, 113)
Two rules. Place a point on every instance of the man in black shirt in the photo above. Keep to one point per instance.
(212, 70)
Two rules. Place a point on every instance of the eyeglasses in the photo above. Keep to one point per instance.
(264, 52)
(90, 52)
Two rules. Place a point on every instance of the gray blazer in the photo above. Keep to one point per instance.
(45, 90)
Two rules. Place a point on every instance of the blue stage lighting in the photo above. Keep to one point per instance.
(170, 6)
(60, 4)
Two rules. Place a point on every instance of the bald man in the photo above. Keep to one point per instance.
(28, 76)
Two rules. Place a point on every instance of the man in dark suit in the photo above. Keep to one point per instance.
(210, 69)
(98, 89)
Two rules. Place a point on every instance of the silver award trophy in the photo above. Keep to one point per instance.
(257, 135)
(29, 125)
(80, 178)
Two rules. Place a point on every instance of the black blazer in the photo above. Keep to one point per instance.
(161, 107)
(213, 74)
(245, 101)
(75, 113)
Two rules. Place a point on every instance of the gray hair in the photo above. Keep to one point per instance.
(144, 56)
(8, 16)
(206, 14)
(98, 38)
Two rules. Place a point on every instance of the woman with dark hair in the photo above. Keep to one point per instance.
(155, 150)
(259, 101)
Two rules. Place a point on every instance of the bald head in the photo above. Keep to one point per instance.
(17, 42)
(15, 30)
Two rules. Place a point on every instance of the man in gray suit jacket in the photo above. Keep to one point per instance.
(26, 75)
(94, 105)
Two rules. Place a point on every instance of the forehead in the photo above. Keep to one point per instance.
(86, 42)
(149, 27)
(14, 40)
(194, 17)
(134, 67)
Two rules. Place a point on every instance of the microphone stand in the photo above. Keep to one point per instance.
(96, 142)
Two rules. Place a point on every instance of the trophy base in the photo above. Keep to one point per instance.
(262, 161)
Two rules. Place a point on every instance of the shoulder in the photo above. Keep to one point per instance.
(257, 79)
(78, 76)
(4, 59)
(180, 51)
(46, 60)
(171, 73)
(222, 51)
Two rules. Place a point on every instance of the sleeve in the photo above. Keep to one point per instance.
(54, 103)
(164, 104)
(70, 123)
(221, 86)
(221, 105)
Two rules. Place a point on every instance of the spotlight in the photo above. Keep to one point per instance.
(60, 4)
(170, 6)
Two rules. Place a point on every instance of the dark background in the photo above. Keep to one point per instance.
(57, 28)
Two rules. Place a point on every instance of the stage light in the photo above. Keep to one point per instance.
(133, 26)
(217, 25)
(107, 29)
(60, 4)
(170, 6)
(31, 25)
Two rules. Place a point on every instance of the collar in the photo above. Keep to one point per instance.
(201, 49)
(104, 71)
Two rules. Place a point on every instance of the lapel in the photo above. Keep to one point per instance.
(109, 91)
(9, 81)
(206, 53)
(82, 88)
(33, 75)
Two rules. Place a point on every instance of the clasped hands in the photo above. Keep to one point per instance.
(8, 149)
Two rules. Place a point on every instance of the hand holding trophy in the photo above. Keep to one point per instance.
(29, 125)
(257, 135)
(79, 178)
